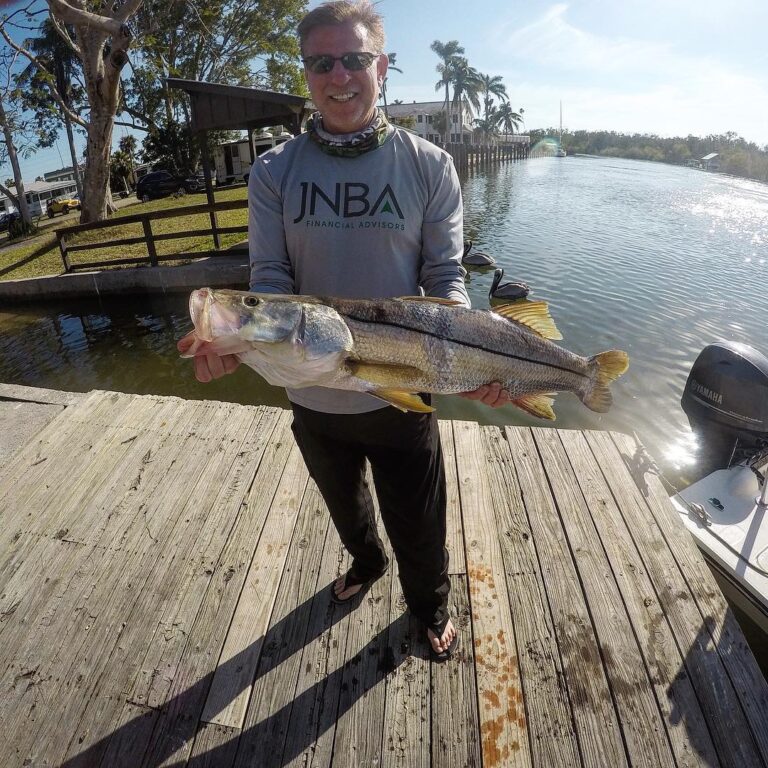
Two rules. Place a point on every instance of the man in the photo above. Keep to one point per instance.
(357, 208)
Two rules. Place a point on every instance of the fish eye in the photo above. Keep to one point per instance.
(250, 301)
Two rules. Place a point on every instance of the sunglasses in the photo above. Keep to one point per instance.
(352, 62)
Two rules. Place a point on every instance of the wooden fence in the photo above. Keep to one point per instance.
(65, 236)
(467, 156)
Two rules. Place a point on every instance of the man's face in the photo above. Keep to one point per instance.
(346, 99)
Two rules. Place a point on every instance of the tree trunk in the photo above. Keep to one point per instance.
(73, 154)
(95, 200)
(21, 197)
(447, 116)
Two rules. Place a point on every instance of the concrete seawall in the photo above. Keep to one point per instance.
(229, 270)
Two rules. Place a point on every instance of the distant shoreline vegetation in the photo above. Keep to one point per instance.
(738, 157)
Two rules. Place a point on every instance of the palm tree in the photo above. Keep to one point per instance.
(507, 119)
(62, 63)
(492, 86)
(448, 52)
(128, 145)
(391, 57)
(467, 85)
(487, 126)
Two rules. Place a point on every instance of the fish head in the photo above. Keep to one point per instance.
(248, 317)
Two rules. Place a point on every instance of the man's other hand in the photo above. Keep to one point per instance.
(207, 366)
(490, 394)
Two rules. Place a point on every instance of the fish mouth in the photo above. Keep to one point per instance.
(214, 314)
(199, 310)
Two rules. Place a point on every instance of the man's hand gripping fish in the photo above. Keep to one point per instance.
(396, 348)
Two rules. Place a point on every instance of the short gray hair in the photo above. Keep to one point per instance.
(340, 12)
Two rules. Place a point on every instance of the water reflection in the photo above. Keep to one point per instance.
(657, 260)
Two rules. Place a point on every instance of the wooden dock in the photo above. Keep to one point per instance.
(165, 568)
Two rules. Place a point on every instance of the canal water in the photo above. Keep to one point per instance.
(654, 259)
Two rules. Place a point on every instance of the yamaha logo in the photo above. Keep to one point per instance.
(700, 389)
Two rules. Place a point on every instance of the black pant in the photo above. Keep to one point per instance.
(409, 477)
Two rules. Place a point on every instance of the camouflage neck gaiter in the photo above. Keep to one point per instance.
(352, 144)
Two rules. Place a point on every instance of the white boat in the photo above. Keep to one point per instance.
(560, 152)
(726, 512)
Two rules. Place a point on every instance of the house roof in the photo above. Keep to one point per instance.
(216, 106)
(41, 186)
(711, 156)
(415, 107)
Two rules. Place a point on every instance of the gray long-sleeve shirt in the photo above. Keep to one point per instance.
(378, 225)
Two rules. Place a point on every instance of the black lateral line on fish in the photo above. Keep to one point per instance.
(463, 343)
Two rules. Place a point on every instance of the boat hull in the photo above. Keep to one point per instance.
(722, 513)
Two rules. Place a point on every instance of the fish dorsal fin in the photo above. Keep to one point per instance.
(539, 405)
(534, 315)
(433, 300)
(404, 401)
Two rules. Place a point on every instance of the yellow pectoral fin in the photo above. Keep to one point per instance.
(391, 376)
(537, 405)
(534, 315)
(404, 401)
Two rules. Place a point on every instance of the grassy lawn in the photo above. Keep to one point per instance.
(40, 255)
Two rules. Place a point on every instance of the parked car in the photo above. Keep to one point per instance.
(6, 219)
(62, 205)
(163, 183)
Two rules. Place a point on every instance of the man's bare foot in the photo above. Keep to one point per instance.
(345, 594)
(440, 644)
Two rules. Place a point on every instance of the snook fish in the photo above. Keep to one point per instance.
(396, 348)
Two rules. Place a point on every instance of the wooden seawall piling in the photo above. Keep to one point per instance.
(476, 156)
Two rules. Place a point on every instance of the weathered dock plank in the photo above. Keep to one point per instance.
(165, 569)
(359, 724)
(454, 538)
(690, 742)
(266, 722)
(232, 682)
(455, 723)
(620, 655)
(595, 720)
(503, 726)
(550, 725)
(407, 709)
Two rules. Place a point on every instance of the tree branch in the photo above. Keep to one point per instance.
(64, 35)
(66, 12)
(132, 125)
(57, 97)
(10, 195)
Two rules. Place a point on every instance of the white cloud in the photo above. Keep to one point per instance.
(628, 85)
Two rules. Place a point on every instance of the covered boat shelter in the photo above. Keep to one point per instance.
(219, 107)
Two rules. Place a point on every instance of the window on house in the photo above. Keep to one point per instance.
(454, 118)
(429, 119)
(420, 118)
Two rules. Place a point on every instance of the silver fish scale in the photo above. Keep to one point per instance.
(457, 350)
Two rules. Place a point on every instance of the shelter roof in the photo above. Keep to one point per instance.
(710, 156)
(216, 106)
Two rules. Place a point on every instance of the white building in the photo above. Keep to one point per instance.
(233, 159)
(425, 114)
(63, 174)
(38, 193)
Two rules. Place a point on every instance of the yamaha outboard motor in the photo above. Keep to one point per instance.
(726, 402)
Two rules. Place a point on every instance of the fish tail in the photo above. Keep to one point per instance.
(606, 367)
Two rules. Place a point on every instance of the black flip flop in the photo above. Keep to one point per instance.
(450, 650)
(350, 580)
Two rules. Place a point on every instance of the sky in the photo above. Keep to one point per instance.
(668, 67)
